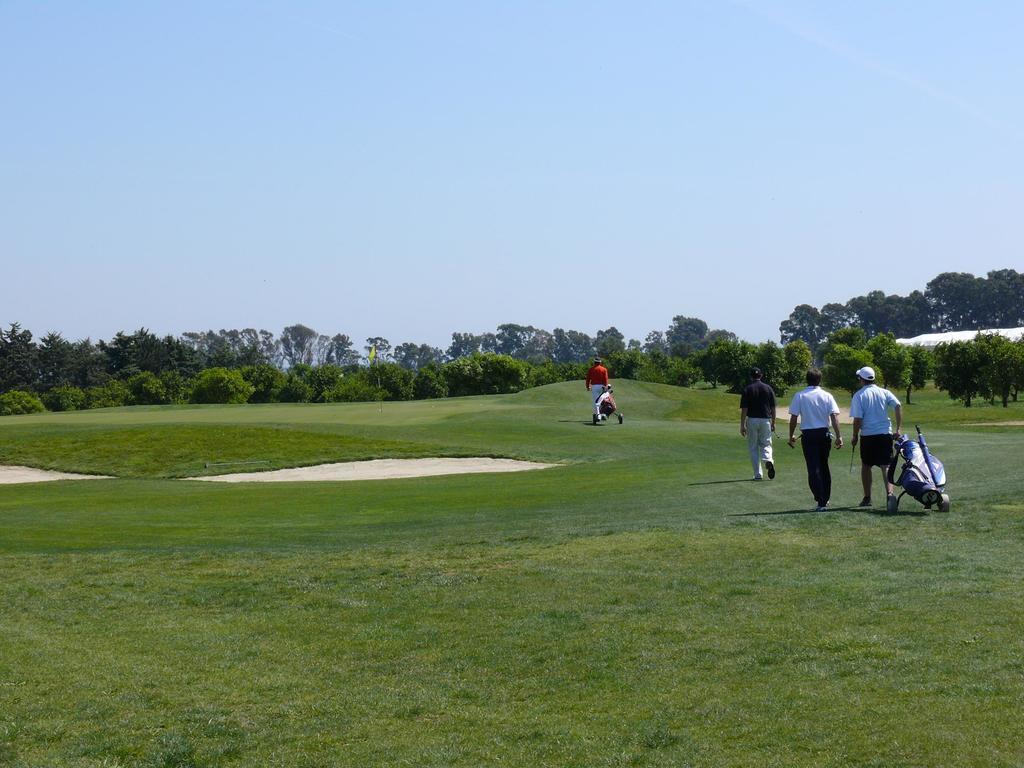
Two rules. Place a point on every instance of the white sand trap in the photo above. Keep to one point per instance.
(782, 415)
(10, 475)
(378, 469)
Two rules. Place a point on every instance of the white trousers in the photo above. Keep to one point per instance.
(759, 441)
(596, 390)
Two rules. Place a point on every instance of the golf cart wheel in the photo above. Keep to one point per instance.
(944, 503)
(892, 504)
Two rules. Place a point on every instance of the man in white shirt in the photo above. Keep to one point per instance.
(870, 411)
(816, 408)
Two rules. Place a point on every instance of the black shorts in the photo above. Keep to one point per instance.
(876, 450)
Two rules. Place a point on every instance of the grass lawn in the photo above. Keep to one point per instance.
(642, 604)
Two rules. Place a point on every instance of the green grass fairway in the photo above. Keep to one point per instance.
(643, 604)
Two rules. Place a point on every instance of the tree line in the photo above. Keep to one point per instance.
(302, 365)
(952, 301)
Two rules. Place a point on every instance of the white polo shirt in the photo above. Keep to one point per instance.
(814, 406)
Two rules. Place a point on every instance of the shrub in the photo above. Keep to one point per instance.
(682, 372)
(221, 385)
(464, 375)
(429, 383)
(66, 397)
(321, 379)
(355, 388)
(486, 374)
(502, 374)
(552, 373)
(146, 389)
(113, 394)
(266, 380)
(393, 379)
(295, 389)
(17, 402)
(625, 364)
(177, 387)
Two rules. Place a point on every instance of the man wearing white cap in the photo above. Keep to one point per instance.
(869, 409)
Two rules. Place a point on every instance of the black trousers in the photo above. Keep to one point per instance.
(817, 444)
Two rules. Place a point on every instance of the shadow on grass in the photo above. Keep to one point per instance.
(862, 510)
(721, 482)
(804, 511)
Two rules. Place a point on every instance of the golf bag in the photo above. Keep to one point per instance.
(606, 405)
(922, 476)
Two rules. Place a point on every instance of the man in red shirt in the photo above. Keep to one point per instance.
(597, 380)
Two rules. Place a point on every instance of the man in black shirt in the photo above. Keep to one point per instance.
(757, 422)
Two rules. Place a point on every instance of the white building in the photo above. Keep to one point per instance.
(931, 340)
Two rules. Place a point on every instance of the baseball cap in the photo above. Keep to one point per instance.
(867, 373)
(755, 372)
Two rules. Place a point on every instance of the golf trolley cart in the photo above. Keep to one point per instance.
(922, 475)
(606, 407)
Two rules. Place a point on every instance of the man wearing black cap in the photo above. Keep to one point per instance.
(757, 422)
(597, 380)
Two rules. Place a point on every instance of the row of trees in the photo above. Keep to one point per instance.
(54, 361)
(723, 362)
(990, 366)
(952, 301)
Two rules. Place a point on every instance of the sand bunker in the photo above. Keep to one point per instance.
(378, 469)
(9, 475)
(782, 414)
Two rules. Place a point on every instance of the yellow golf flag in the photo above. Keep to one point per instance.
(373, 353)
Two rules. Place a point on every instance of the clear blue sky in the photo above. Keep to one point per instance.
(409, 169)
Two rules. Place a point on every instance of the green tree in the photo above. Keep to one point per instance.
(891, 359)
(997, 356)
(685, 335)
(958, 371)
(798, 359)
(771, 359)
(463, 344)
(17, 358)
(609, 341)
(922, 366)
(297, 344)
(727, 362)
(841, 365)
(54, 362)
(221, 385)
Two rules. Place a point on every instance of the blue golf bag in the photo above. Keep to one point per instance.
(921, 477)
